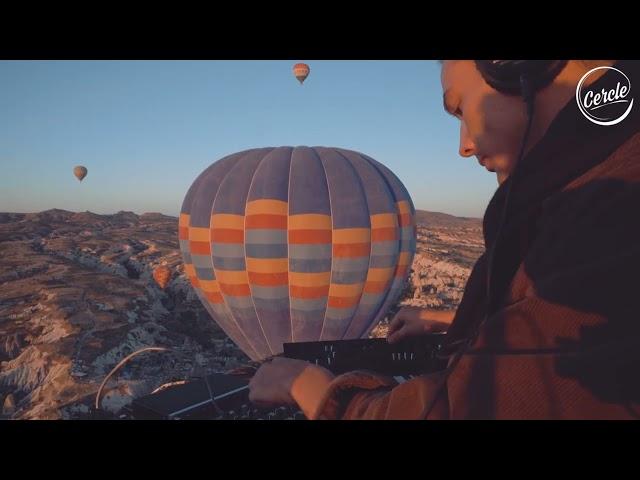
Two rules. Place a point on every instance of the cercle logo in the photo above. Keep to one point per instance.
(611, 104)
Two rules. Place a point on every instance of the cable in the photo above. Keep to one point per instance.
(219, 411)
(528, 95)
(164, 386)
(120, 364)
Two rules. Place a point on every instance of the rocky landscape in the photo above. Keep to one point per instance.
(77, 296)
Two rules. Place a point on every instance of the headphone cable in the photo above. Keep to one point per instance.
(528, 95)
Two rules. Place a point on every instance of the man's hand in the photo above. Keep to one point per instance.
(271, 384)
(285, 381)
(414, 321)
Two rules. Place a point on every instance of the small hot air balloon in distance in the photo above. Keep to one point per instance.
(301, 71)
(80, 172)
(162, 275)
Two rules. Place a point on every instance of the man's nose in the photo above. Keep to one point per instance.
(467, 146)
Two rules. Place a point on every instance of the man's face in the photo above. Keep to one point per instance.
(491, 124)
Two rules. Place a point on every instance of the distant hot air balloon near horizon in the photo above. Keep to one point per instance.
(296, 244)
(301, 71)
(80, 172)
(162, 275)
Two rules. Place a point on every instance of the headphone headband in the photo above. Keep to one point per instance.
(505, 75)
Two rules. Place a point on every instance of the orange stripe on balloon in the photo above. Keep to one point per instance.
(384, 220)
(190, 269)
(310, 221)
(268, 279)
(266, 221)
(380, 274)
(308, 292)
(405, 220)
(401, 271)
(214, 297)
(200, 248)
(267, 265)
(209, 286)
(312, 279)
(309, 236)
(384, 234)
(404, 258)
(352, 235)
(268, 206)
(235, 290)
(349, 250)
(345, 289)
(403, 207)
(236, 277)
(183, 220)
(227, 220)
(227, 235)
(343, 302)
(199, 234)
(375, 287)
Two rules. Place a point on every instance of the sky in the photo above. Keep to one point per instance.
(146, 129)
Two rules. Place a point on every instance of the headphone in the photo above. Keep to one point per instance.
(506, 76)
(523, 78)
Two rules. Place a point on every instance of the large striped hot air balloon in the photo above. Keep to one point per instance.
(296, 244)
(301, 71)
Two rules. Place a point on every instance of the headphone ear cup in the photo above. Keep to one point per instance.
(500, 75)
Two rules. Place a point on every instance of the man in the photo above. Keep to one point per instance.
(563, 341)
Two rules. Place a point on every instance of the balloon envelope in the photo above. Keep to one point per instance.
(80, 172)
(162, 275)
(301, 71)
(296, 244)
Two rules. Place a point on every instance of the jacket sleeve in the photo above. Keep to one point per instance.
(362, 395)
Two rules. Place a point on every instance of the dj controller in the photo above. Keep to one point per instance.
(226, 397)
